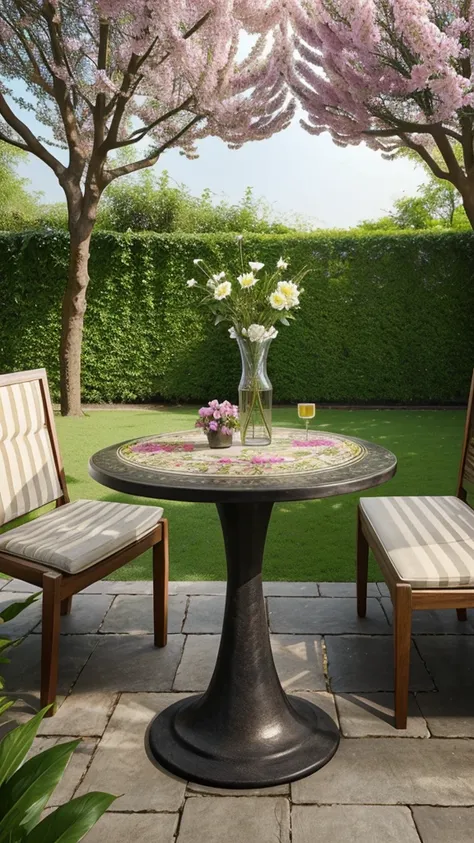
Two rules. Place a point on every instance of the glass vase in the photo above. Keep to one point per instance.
(255, 393)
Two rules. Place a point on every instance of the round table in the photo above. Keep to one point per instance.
(244, 731)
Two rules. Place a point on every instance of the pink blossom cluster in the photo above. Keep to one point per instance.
(387, 72)
(172, 68)
(217, 416)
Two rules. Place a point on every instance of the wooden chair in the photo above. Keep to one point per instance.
(75, 544)
(425, 549)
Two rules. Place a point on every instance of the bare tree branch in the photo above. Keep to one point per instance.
(31, 141)
(139, 134)
(427, 158)
(13, 142)
(61, 93)
(126, 169)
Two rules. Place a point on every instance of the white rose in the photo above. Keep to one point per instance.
(256, 333)
(256, 265)
(291, 293)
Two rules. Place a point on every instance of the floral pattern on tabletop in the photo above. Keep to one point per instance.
(186, 453)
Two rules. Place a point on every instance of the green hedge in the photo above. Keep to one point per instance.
(383, 318)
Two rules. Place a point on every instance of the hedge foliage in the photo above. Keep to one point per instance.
(383, 318)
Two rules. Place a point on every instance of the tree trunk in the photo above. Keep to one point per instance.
(468, 203)
(73, 310)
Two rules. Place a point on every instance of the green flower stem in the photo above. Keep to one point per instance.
(256, 398)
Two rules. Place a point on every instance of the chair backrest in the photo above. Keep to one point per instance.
(466, 472)
(31, 471)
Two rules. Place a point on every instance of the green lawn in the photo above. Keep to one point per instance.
(307, 541)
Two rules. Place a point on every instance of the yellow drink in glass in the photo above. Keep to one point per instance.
(306, 412)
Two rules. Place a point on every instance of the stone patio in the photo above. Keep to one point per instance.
(382, 785)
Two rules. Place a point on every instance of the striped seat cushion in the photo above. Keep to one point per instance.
(77, 535)
(427, 541)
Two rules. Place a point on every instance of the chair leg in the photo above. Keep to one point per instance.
(51, 617)
(66, 606)
(362, 569)
(160, 588)
(462, 614)
(402, 645)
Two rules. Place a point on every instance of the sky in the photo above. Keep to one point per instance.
(296, 173)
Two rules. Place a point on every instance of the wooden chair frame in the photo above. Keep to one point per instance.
(405, 598)
(59, 587)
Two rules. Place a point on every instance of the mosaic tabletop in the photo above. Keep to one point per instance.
(181, 466)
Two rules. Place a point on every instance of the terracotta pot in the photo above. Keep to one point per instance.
(217, 439)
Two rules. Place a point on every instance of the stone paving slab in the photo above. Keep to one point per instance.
(449, 659)
(133, 613)
(84, 714)
(23, 672)
(122, 765)
(203, 588)
(291, 589)
(298, 659)
(233, 820)
(19, 585)
(144, 828)
(440, 825)
(431, 622)
(326, 616)
(449, 714)
(28, 618)
(372, 716)
(359, 663)
(345, 589)
(387, 771)
(205, 614)
(131, 663)
(353, 824)
(120, 587)
(75, 769)
(87, 613)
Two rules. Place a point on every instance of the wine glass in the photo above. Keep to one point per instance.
(306, 412)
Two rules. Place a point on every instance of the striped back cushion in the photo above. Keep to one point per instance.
(28, 476)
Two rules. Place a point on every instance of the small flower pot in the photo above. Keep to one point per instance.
(217, 439)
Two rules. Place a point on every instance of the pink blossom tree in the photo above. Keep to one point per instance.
(111, 75)
(392, 73)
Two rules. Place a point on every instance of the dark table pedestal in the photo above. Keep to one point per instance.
(244, 731)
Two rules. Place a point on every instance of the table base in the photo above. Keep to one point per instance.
(243, 731)
(303, 746)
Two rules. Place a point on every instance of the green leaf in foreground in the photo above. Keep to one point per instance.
(24, 796)
(15, 746)
(14, 609)
(69, 823)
